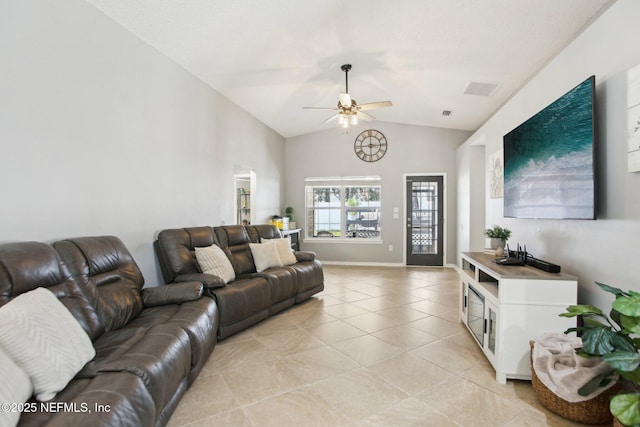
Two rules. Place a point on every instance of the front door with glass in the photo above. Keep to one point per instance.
(424, 231)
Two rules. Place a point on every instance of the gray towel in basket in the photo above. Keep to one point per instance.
(563, 372)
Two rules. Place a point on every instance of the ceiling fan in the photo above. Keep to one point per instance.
(348, 111)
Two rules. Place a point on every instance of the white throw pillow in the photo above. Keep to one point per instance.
(15, 387)
(265, 256)
(284, 250)
(212, 260)
(45, 340)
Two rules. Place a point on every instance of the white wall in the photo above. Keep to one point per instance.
(411, 149)
(470, 204)
(605, 250)
(101, 134)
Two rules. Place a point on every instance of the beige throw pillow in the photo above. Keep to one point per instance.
(265, 255)
(213, 260)
(45, 340)
(15, 387)
(285, 252)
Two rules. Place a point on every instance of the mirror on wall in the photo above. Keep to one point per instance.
(244, 190)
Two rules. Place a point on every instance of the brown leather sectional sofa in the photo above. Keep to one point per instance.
(150, 343)
(252, 296)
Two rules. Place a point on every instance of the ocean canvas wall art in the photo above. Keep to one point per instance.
(549, 160)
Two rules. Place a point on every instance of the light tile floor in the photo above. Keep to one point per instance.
(379, 347)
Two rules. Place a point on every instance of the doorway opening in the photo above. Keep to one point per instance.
(244, 188)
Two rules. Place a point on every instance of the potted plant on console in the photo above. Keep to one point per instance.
(289, 212)
(498, 236)
(615, 339)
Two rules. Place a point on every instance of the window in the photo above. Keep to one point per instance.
(343, 208)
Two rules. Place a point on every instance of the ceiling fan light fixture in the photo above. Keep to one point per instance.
(345, 100)
(348, 118)
(349, 112)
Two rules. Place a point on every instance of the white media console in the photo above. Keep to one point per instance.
(504, 307)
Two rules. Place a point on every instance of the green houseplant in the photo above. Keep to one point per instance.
(498, 236)
(615, 339)
(289, 213)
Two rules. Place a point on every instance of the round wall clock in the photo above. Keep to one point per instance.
(370, 145)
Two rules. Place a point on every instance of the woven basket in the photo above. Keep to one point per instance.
(592, 411)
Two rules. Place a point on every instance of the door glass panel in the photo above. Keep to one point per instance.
(475, 315)
(424, 221)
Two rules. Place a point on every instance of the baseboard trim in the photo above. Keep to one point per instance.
(363, 264)
(386, 264)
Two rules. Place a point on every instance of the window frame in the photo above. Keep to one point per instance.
(341, 184)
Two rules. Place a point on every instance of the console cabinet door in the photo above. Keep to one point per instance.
(464, 300)
(491, 332)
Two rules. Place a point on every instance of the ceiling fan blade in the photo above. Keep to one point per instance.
(332, 118)
(345, 100)
(319, 108)
(364, 116)
(374, 105)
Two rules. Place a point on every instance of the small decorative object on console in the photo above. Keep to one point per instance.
(289, 213)
(498, 236)
(509, 261)
(542, 265)
(277, 221)
(526, 258)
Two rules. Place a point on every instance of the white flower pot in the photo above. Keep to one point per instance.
(497, 243)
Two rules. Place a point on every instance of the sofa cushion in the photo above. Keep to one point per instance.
(282, 286)
(44, 339)
(105, 268)
(199, 319)
(114, 399)
(175, 250)
(260, 232)
(241, 299)
(265, 255)
(160, 355)
(234, 240)
(15, 387)
(25, 266)
(212, 260)
(309, 278)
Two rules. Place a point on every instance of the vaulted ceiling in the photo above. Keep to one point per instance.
(273, 57)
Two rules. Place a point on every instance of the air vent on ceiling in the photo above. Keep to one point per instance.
(480, 89)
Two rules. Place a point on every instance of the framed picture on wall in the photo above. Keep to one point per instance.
(633, 118)
(496, 175)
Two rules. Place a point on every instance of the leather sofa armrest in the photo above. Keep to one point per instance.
(305, 255)
(208, 280)
(172, 294)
